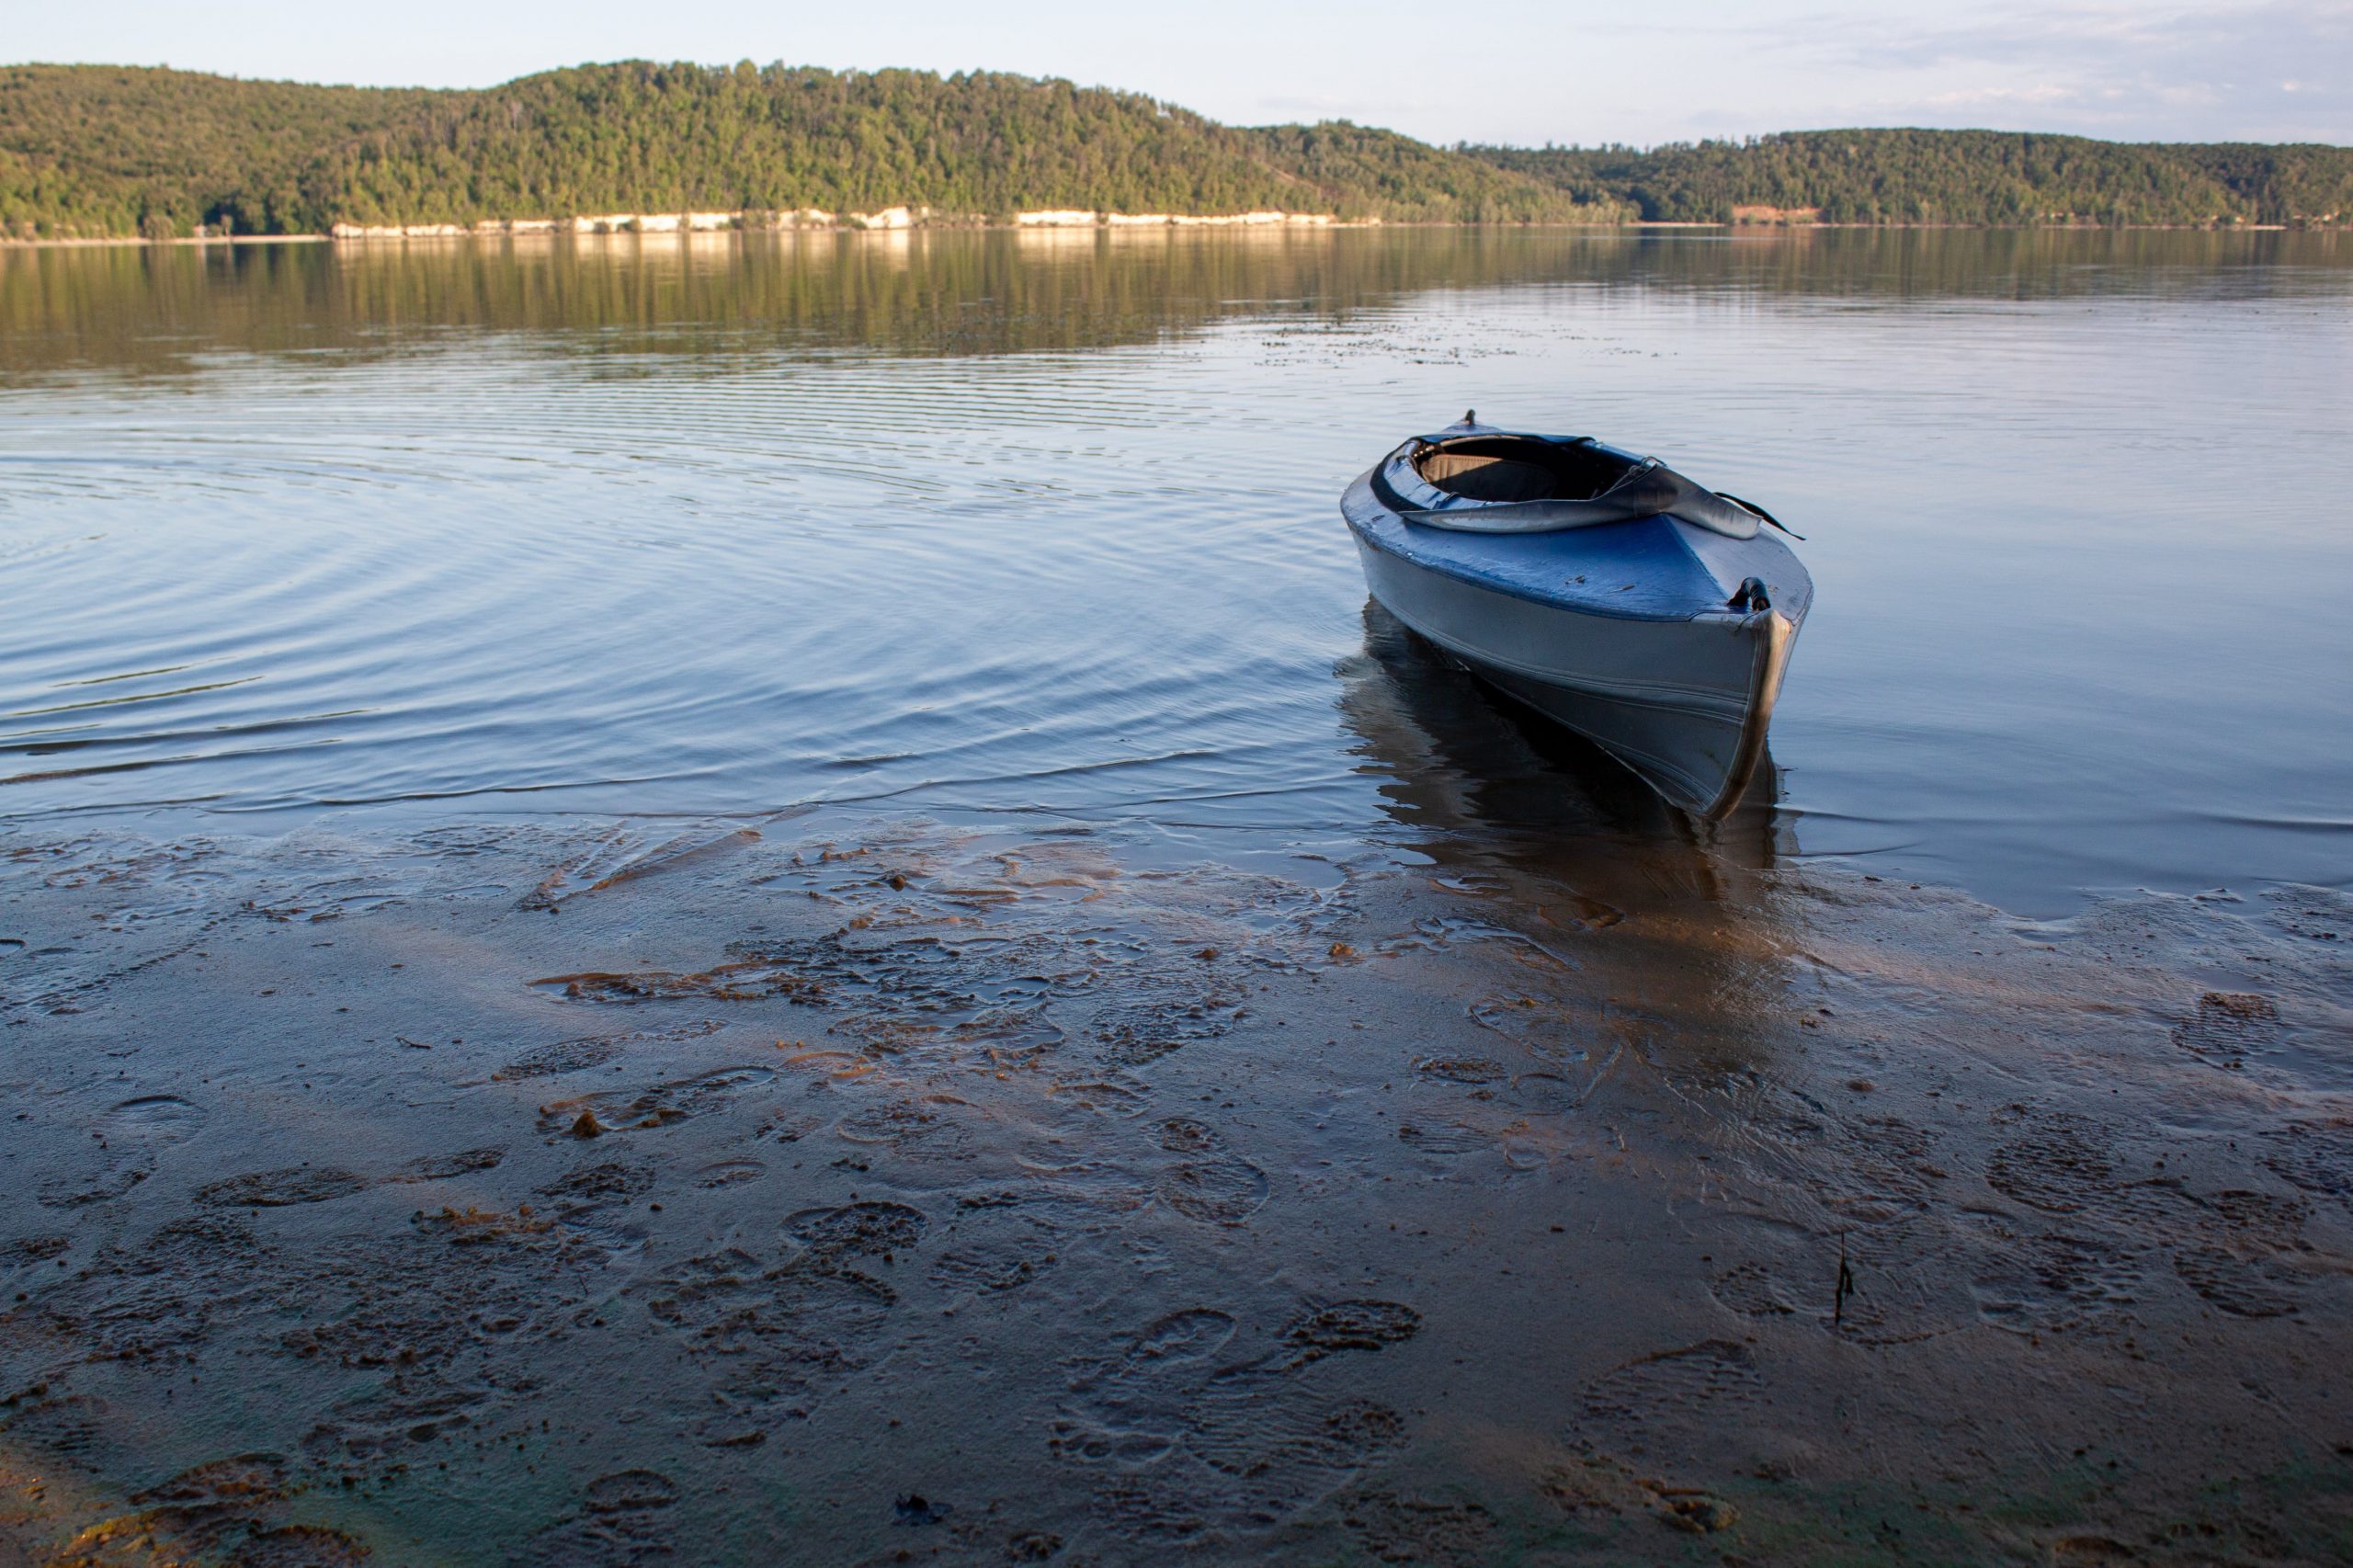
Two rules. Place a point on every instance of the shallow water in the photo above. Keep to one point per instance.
(1046, 525)
(699, 905)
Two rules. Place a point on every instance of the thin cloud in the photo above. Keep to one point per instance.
(2164, 71)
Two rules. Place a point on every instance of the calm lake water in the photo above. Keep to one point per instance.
(1047, 525)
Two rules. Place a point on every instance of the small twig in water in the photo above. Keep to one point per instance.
(1845, 1285)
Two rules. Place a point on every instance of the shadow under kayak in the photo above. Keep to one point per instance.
(1601, 588)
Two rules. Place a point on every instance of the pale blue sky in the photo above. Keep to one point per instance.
(1564, 70)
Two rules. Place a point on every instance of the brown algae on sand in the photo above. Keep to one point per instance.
(1112, 1208)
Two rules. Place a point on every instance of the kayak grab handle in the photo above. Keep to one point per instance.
(1752, 594)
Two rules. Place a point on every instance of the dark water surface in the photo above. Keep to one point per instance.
(1046, 524)
(776, 900)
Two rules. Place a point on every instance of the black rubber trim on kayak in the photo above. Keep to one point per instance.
(1650, 489)
(1764, 513)
(1386, 492)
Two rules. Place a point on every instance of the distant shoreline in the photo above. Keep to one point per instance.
(1141, 228)
(144, 152)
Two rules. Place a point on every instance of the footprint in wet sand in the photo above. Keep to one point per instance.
(2228, 1027)
(1222, 1191)
(1128, 1407)
(619, 1110)
(2315, 1157)
(1594, 1485)
(924, 1143)
(801, 1321)
(1894, 1296)
(2243, 1257)
(2242, 1284)
(166, 1293)
(152, 1119)
(1104, 1093)
(996, 1266)
(228, 1511)
(561, 1057)
(858, 1230)
(2062, 1167)
(592, 1050)
(27, 1251)
(1443, 1139)
(1540, 1026)
(1190, 1441)
(445, 1167)
(1138, 1034)
(1471, 1069)
(1330, 1327)
(624, 1518)
(1752, 1291)
(1183, 1135)
(779, 1338)
(282, 1188)
(300, 1546)
(750, 979)
(1189, 1335)
(2053, 1282)
(1283, 1450)
(602, 1183)
(1881, 1170)
(79, 1428)
(1710, 1383)
(1392, 1528)
(116, 1180)
(1078, 1196)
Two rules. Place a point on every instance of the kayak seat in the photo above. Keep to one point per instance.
(1515, 468)
(1488, 479)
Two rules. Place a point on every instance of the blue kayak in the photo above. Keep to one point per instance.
(1600, 587)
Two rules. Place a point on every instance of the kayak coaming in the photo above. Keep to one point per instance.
(1659, 669)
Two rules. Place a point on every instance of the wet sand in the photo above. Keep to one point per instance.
(842, 1188)
(1231, 1092)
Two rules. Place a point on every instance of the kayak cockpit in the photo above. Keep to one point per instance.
(1520, 468)
(1485, 481)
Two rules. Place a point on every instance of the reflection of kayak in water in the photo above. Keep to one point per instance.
(1488, 782)
(1604, 590)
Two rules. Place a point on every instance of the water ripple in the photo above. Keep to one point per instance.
(1059, 535)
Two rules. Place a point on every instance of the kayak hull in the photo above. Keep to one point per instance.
(1685, 704)
(1660, 668)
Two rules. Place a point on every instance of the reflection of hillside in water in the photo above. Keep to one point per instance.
(952, 292)
(1489, 786)
(712, 296)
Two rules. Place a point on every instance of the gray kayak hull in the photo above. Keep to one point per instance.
(1684, 703)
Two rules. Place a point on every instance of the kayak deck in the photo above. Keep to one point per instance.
(1642, 570)
(1662, 638)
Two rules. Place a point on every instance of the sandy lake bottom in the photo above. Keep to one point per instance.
(907, 1192)
(780, 904)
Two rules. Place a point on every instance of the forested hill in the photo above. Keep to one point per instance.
(111, 150)
(1953, 176)
(90, 151)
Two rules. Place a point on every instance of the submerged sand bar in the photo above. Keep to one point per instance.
(551, 1192)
